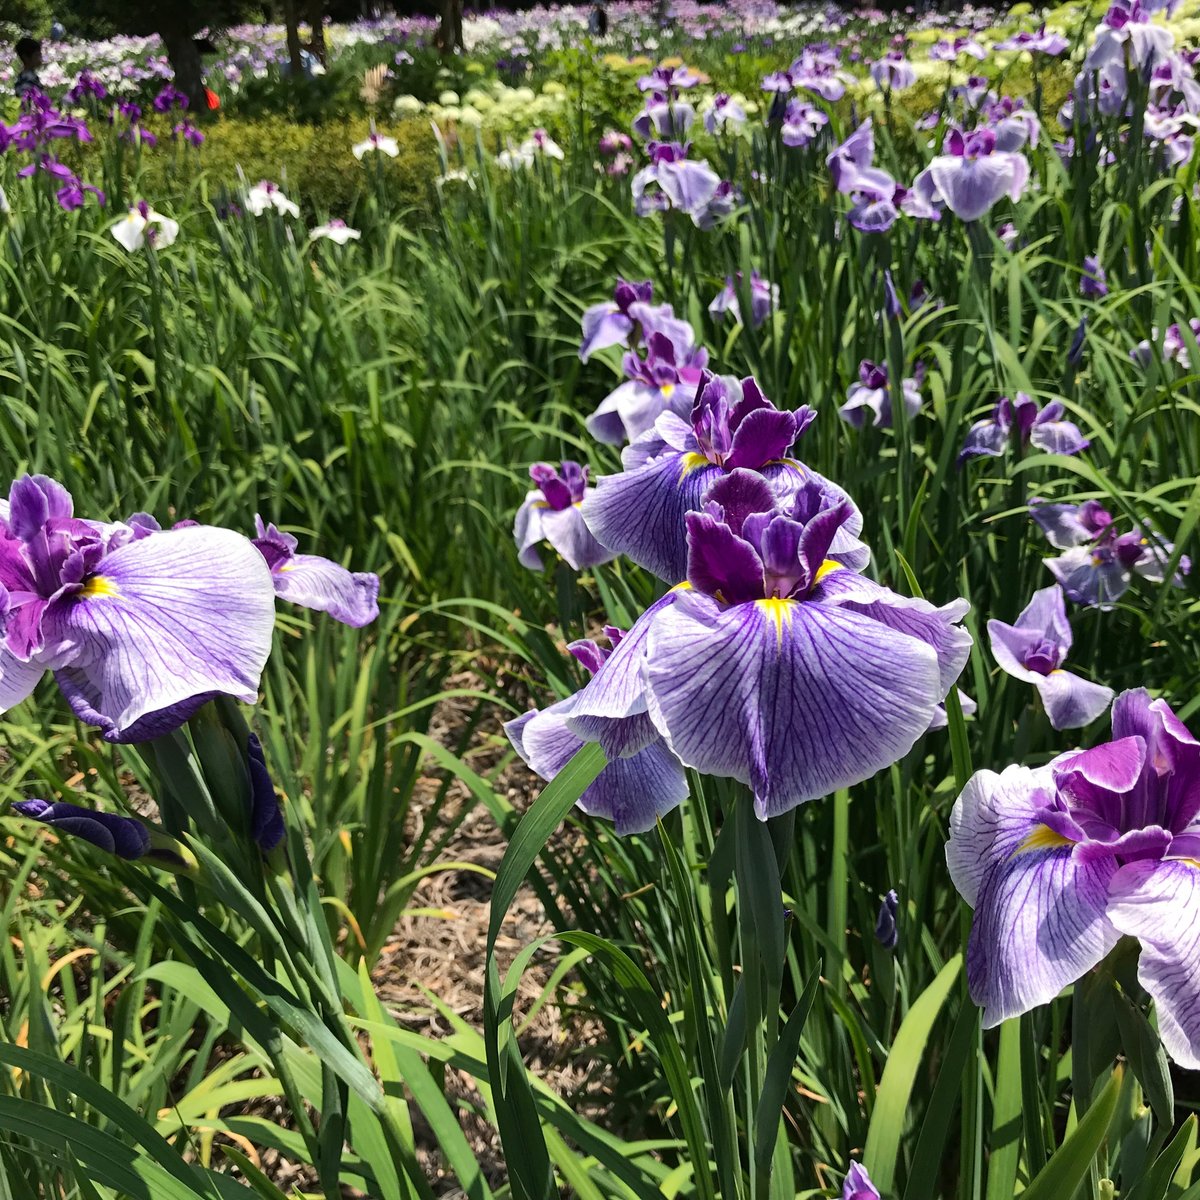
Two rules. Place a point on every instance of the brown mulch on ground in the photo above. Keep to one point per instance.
(444, 954)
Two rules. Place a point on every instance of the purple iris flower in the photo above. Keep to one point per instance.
(665, 380)
(776, 665)
(1052, 43)
(817, 71)
(1098, 562)
(74, 193)
(724, 200)
(1094, 282)
(1127, 32)
(1021, 423)
(612, 322)
(723, 111)
(351, 597)
(140, 627)
(189, 133)
(682, 183)
(855, 155)
(613, 143)
(893, 72)
(886, 932)
(550, 513)
(950, 51)
(1174, 348)
(668, 79)
(671, 469)
(642, 781)
(1014, 124)
(871, 394)
(971, 174)
(1034, 649)
(764, 298)
(168, 98)
(86, 85)
(858, 1185)
(801, 123)
(1060, 862)
(664, 118)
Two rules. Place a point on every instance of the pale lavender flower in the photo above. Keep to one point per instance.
(971, 175)
(551, 513)
(1020, 423)
(764, 298)
(872, 396)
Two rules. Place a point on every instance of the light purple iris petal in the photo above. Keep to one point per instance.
(688, 185)
(1039, 915)
(632, 408)
(1071, 702)
(632, 792)
(17, 679)
(940, 720)
(180, 616)
(906, 614)
(641, 513)
(603, 326)
(566, 531)
(528, 531)
(1159, 904)
(972, 186)
(1058, 437)
(1062, 525)
(984, 438)
(351, 597)
(1087, 577)
(795, 699)
(858, 1185)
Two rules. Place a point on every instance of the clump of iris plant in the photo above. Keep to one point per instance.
(1062, 861)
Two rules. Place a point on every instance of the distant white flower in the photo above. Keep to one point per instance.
(540, 142)
(376, 141)
(264, 195)
(514, 159)
(336, 231)
(5, 207)
(142, 226)
(456, 177)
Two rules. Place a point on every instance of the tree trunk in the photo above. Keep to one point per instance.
(185, 62)
(316, 19)
(291, 21)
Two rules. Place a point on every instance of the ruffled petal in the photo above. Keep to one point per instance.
(990, 819)
(641, 513)
(795, 699)
(173, 619)
(1070, 701)
(311, 581)
(1159, 904)
(939, 627)
(632, 792)
(1039, 926)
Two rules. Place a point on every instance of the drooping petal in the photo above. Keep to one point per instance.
(17, 679)
(1062, 525)
(984, 438)
(566, 531)
(795, 699)
(603, 326)
(972, 186)
(631, 791)
(641, 513)
(527, 530)
(1090, 578)
(1058, 437)
(174, 618)
(1070, 701)
(1159, 904)
(311, 581)
(1039, 926)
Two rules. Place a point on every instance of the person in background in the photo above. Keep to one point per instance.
(29, 51)
(598, 22)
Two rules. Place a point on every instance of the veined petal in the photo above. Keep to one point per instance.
(1039, 926)
(971, 186)
(351, 597)
(992, 817)
(17, 679)
(939, 627)
(632, 792)
(527, 530)
(1070, 701)
(795, 699)
(603, 326)
(173, 619)
(1159, 904)
(1009, 645)
(566, 531)
(641, 513)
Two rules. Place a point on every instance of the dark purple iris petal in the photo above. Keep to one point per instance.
(266, 817)
(739, 494)
(125, 837)
(720, 563)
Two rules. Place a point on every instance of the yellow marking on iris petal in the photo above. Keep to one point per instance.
(682, 587)
(1043, 838)
(692, 462)
(98, 585)
(668, 390)
(781, 612)
(827, 568)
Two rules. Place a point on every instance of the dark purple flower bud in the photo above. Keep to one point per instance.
(1075, 351)
(125, 837)
(1094, 282)
(886, 932)
(266, 817)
